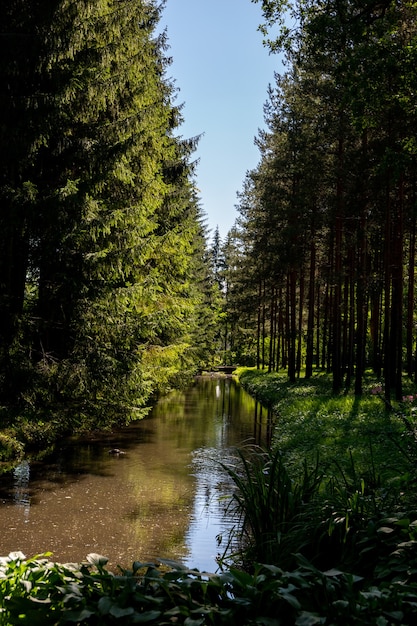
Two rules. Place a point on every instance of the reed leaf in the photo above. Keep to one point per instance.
(268, 503)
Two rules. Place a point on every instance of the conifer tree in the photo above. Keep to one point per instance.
(99, 227)
(336, 184)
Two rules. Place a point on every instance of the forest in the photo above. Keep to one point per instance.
(319, 270)
(111, 289)
(104, 286)
(112, 292)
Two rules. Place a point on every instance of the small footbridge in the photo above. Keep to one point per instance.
(226, 369)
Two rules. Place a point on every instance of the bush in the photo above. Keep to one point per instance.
(10, 447)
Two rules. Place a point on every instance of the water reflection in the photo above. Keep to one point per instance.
(162, 498)
(21, 496)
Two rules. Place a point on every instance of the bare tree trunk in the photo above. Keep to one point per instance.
(311, 304)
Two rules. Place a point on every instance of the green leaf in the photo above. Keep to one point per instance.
(308, 619)
(145, 618)
(119, 612)
(104, 605)
(333, 572)
(385, 530)
(189, 621)
(77, 616)
(292, 600)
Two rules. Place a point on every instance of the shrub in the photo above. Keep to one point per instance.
(10, 448)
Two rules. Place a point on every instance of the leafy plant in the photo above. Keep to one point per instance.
(37, 591)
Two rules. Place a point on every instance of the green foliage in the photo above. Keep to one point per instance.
(10, 447)
(269, 505)
(37, 591)
(350, 546)
(338, 546)
(101, 244)
(331, 198)
(352, 508)
(313, 420)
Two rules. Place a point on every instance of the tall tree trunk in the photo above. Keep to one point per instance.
(258, 327)
(271, 331)
(397, 291)
(350, 324)
(411, 291)
(300, 325)
(387, 335)
(263, 323)
(292, 336)
(361, 309)
(311, 304)
(337, 301)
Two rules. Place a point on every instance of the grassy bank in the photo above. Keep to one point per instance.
(337, 491)
(312, 423)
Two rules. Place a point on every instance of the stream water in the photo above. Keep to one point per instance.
(164, 497)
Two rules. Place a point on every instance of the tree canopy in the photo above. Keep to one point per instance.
(100, 228)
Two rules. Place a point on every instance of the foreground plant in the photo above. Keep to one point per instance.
(269, 504)
(37, 591)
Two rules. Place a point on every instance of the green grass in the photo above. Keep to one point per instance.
(311, 422)
(340, 469)
(269, 506)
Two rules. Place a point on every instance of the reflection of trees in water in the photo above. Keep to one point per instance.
(21, 493)
(168, 496)
(232, 400)
(263, 425)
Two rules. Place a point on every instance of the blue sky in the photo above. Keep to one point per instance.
(222, 70)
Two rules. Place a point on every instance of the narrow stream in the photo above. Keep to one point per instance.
(161, 498)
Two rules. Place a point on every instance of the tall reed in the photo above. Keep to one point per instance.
(269, 505)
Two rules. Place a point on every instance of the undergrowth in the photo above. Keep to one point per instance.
(310, 420)
(40, 592)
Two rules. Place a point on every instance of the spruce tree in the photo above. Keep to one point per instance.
(99, 226)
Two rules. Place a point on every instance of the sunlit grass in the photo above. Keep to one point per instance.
(340, 468)
(311, 422)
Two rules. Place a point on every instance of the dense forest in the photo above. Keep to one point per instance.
(104, 268)
(110, 291)
(319, 270)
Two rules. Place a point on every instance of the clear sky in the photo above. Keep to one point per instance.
(222, 70)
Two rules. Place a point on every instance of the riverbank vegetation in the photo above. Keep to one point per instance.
(327, 531)
(337, 490)
(38, 591)
(108, 297)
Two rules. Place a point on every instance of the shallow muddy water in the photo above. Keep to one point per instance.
(164, 497)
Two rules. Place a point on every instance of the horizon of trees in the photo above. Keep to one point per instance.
(320, 265)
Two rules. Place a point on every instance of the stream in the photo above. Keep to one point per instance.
(165, 496)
